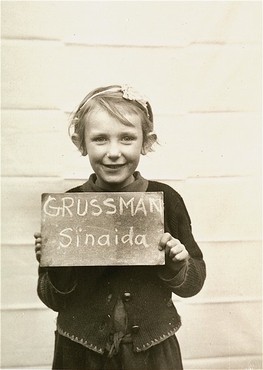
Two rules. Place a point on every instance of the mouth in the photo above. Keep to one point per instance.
(114, 166)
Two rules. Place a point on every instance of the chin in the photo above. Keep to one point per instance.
(114, 182)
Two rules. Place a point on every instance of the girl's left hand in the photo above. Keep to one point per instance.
(175, 252)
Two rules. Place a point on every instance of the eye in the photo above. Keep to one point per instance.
(128, 138)
(99, 139)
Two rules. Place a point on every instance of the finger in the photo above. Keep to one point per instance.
(176, 247)
(38, 256)
(38, 243)
(164, 240)
(37, 250)
(37, 234)
(173, 247)
(182, 256)
(176, 244)
(173, 243)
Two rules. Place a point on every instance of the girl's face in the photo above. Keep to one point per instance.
(113, 148)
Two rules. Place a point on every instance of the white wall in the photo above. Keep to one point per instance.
(199, 64)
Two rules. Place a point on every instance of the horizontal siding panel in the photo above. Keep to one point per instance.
(32, 142)
(168, 23)
(215, 330)
(223, 363)
(39, 81)
(223, 79)
(231, 267)
(34, 82)
(205, 145)
(32, 20)
(185, 77)
(28, 338)
(213, 144)
(21, 204)
(224, 209)
(143, 68)
(22, 291)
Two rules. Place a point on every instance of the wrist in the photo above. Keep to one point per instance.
(61, 278)
(175, 274)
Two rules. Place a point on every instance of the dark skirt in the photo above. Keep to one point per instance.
(73, 356)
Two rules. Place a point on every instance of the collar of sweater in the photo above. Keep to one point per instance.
(139, 184)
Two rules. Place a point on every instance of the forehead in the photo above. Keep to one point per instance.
(101, 118)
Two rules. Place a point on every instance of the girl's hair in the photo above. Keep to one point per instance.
(117, 101)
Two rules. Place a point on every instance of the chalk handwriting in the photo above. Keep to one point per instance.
(78, 238)
(70, 206)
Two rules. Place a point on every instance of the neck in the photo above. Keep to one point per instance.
(112, 186)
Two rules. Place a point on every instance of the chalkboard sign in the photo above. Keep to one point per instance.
(89, 229)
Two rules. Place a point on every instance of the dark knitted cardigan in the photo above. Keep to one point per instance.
(85, 309)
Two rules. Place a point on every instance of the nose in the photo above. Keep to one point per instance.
(113, 151)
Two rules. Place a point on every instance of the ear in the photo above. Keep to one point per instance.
(147, 145)
(76, 141)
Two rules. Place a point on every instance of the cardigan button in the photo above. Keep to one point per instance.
(109, 298)
(135, 329)
(127, 297)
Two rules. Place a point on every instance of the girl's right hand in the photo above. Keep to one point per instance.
(60, 275)
(38, 245)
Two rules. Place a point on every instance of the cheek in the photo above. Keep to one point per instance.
(134, 158)
(93, 150)
(133, 152)
(92, 154)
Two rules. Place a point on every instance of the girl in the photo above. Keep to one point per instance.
(121, 317)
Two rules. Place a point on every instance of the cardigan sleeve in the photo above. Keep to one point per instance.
(190, 278)
(50, 289)
(51, 292)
